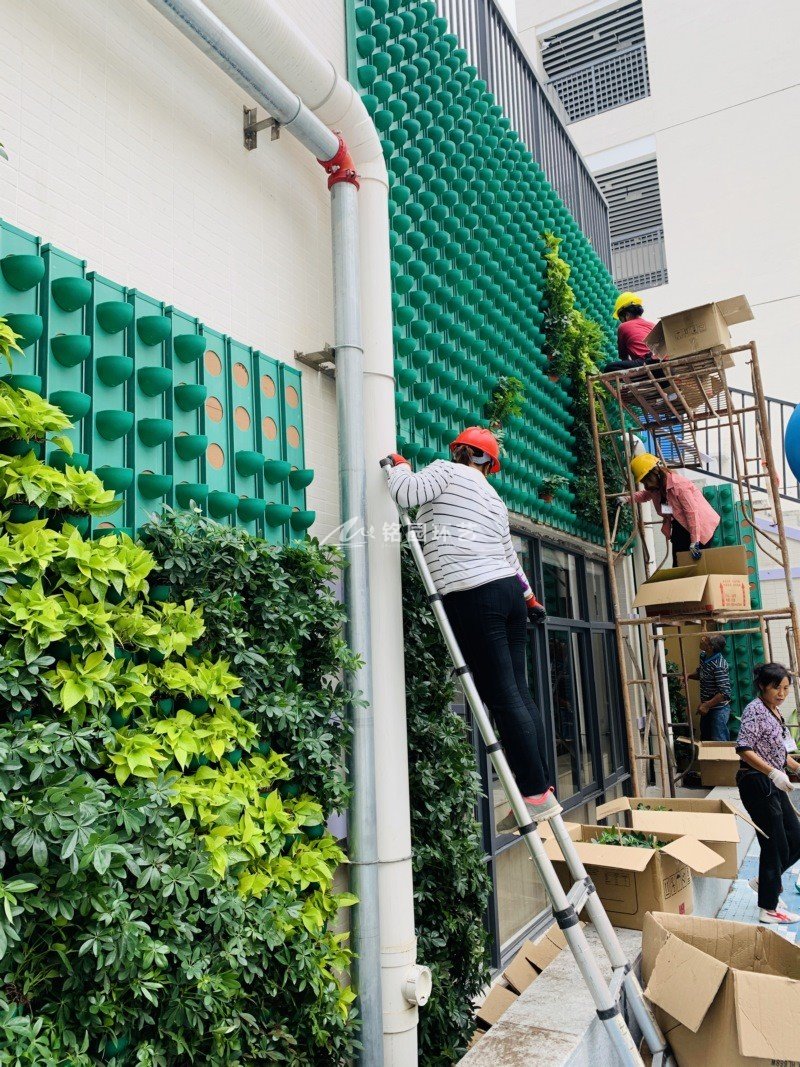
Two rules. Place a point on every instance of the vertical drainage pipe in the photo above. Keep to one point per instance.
(207, 32)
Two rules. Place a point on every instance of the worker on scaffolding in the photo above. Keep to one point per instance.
(689, 520)
(631, 333)
(487, 598)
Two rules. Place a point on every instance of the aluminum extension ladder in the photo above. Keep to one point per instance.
(566, 907)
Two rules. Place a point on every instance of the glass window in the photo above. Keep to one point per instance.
(597, 591)
(560, 583)
(604, 709)
(573, 760)
(519, 893)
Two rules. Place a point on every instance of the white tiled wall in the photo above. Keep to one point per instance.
(125, 148)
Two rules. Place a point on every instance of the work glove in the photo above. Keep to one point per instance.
(781, 780)
(696, 550)
(621, 501)
(536, 612)
(397, 459)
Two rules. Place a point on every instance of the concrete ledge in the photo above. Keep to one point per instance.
(553, 1023)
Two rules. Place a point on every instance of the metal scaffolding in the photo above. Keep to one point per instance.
(672, 403)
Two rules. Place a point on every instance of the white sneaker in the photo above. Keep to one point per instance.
(546, 808)
(753, 883)
(779, 916)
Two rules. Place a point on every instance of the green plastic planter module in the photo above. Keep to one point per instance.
(71, 402)
(114, 315)
(114, 423)
(189, 347)
(29, 327)
(188, 494)
(71, 294)
(249, 509)
(31, 382)
(190, 397)
(249, 464)
(190, 446)
(117, 479)
(60, 459)
(275, 470)
(154, 432)
(70, 349)
(220, 505)
(22, 272)
(300, 479)
(154, 380)
(153, 486)
(277, 514)
(301, 520)
(114, 370)
(153, 329)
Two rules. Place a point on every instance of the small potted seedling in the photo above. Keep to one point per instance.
(550, 486)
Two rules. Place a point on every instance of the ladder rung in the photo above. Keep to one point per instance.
(578, 896)
(615, 985)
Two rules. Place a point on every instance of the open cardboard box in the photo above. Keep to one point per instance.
(717, 762)
(699, 328)
(532, 958)
(719, 579)
(631, 881)
(711, 821)
(726, 994)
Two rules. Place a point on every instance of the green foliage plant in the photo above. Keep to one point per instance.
(166, 888)
(505, 402)
(451, 885)
(576, 348)
(8, 339)
(615, 835)
(677, 693)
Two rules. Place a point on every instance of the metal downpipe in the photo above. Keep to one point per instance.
(226, 51)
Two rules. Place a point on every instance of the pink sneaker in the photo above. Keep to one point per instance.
(778, 916)
(540, 808)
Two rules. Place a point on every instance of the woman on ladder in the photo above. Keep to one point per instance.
(468, 550)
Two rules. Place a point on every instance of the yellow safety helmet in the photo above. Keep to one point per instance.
(642, 465)
(627, 300)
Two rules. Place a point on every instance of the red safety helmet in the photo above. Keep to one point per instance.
(482, 439)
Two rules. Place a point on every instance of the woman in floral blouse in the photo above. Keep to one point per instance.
(764, 744)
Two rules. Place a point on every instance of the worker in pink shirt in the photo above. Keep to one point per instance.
(631, 333)
(689, 520)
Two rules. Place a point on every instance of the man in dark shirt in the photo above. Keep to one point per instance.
(713, 674)
(631, 332)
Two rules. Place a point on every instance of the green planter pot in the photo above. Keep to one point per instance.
(154, 432)
(166, 705)
(289, 790)
(234, 756)
(315, 832)
(70, 518)
(264, 748)
(275, 470)
(71, 402)
(63, 651)
(59, 459)
(113, 423)
(277, 514)
(249, 464)
(114, 315)
(299, 479)
(114, 370)
(124, 654)
(22, 272)
(196, 762)
(190, 446)
(118, 720)
(31, 382)
(190, 397)
(189, 347)
(250, 509)
(153, 329)
(117, 479)
(158, 659)
(21, 448)
(113, 531)
(160, 593)
(115, 1046)
(30, 328)
(235, 702)
(301, 520)
(154, 380)
(20, 513)
(187, 493)
(70, 349)
(113, 597)
(153, 486)
(197, 705)
(221, 504)
(71, 293)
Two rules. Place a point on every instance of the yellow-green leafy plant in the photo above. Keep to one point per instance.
(168, 884)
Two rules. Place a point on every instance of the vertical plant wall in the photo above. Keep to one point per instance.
(469, 208)
(165, 410)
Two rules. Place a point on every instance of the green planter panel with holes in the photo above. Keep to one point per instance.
(166, 409)
(468, 209)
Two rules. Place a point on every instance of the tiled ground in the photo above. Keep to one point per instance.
(741, 906)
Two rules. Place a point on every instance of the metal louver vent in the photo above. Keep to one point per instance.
(599, 64)
(637, 228)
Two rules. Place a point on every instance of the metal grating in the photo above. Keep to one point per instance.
(599, 64)
(637, 231)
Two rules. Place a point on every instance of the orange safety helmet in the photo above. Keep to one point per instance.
(483, 439)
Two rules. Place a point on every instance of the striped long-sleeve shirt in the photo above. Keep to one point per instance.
(464, 522)
(715, 678)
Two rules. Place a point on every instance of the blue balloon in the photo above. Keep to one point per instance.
(792, 443)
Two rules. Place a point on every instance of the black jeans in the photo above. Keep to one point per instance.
(771, 811)
(490, 624)
(681, 541)
(633, 364)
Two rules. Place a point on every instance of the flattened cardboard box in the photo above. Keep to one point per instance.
(532, 959)
(719, 579)
(631, 881)
(699, 328)
(726, 994)
(498, 1000)
(711, 821)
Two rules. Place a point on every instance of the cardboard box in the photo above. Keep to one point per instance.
(717, 762)
(631, 881)
(532, 959)
(725, 994)
(699, 328)
(719, 579)
(711, 821)
(498, 1000)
